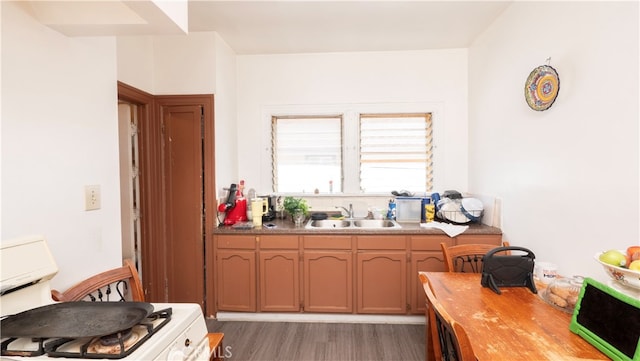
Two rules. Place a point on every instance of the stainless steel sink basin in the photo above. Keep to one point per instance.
(375, 223)
(326, 224)
(329, 223)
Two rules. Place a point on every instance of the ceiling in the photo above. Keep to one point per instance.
(275, 27)
(264, 27)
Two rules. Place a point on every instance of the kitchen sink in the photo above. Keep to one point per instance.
(375, 223)
(352, 224)
(329, 223)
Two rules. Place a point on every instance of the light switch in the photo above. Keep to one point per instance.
(91, 197)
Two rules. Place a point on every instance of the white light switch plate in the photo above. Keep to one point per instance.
(91, 197)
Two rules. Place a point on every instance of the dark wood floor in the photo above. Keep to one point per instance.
(301, 341)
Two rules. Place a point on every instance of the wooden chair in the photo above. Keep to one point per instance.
(123, 281)
(465, 257)
(449, 339)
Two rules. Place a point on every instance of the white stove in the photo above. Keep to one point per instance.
(174, 331)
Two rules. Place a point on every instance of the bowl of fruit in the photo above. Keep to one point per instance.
(622, 266)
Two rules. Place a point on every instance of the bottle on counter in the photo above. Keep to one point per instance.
(391, 212)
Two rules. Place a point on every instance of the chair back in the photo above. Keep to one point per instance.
(465, 257)
(449, 339)
(118, 284)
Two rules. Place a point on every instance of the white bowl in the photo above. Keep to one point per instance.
(621, 275)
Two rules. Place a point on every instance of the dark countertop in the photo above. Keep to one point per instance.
(287, 227)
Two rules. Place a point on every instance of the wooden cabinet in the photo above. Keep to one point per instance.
(381, 274)
(426, 255)
(279, 273)
(236, 273)
(480, 238)
(328, 274)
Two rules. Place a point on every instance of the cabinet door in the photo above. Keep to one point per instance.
(236, 280)
(382, 282)
(328, 281)
(422, 261)
(279, 280)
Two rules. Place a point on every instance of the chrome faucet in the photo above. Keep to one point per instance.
(349, 211)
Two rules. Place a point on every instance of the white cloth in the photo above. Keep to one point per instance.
(451, 230)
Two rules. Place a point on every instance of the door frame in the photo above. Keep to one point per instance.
(153, 236)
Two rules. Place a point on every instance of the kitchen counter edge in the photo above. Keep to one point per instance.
(287, 227)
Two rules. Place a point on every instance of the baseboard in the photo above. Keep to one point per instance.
(319, 317)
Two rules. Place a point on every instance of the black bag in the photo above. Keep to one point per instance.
(508, 270)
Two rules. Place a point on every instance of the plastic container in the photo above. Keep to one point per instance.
(563, 293)
(408, 209)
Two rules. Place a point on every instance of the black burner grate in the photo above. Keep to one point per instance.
(59, 347)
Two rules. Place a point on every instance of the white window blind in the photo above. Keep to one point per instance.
(396, 152)
(307, 153)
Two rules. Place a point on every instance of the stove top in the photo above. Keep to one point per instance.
(174, 331)
(179, 332)
(114, 346)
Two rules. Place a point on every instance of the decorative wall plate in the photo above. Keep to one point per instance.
(542, 87)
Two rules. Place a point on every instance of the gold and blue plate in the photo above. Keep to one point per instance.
(542, 87)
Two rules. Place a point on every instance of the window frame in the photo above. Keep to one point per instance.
(350, 151)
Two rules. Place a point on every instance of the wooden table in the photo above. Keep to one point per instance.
(516, 325)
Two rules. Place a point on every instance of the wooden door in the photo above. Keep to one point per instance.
(426, 256)
(382, 282)
(176, 143)
(236, 273)
(328, 280)
(424, 261)
(182, 140)
(279, 280)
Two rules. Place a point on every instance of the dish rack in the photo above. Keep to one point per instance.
(459, 217)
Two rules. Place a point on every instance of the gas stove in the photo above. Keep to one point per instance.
(168, 331)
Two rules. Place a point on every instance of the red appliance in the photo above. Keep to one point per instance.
(235, 208)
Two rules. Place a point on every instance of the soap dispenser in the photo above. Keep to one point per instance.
(391, 212)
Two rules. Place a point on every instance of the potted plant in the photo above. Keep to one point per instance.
(295, 206)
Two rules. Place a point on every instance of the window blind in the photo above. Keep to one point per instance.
(396, 152)
(307, 153)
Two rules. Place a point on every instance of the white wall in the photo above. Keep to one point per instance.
(198, 63)
(225, 117)
(135, 61)
(169, 65)
(352, 81)
(59, 133)
(184, 64)
(568, 176)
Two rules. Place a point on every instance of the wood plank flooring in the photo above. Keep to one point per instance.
(301, 341)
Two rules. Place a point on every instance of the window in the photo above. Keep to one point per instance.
(395, 152)
(370, 153)
(307, 153)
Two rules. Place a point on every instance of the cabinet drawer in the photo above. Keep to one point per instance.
(495, 239)
(327, 242)
(382, 242)
(279, 242)
(430, 243)
(237, 242)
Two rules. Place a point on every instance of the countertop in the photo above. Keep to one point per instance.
(287, 227)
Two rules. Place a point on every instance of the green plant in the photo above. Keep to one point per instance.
(291, 204)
